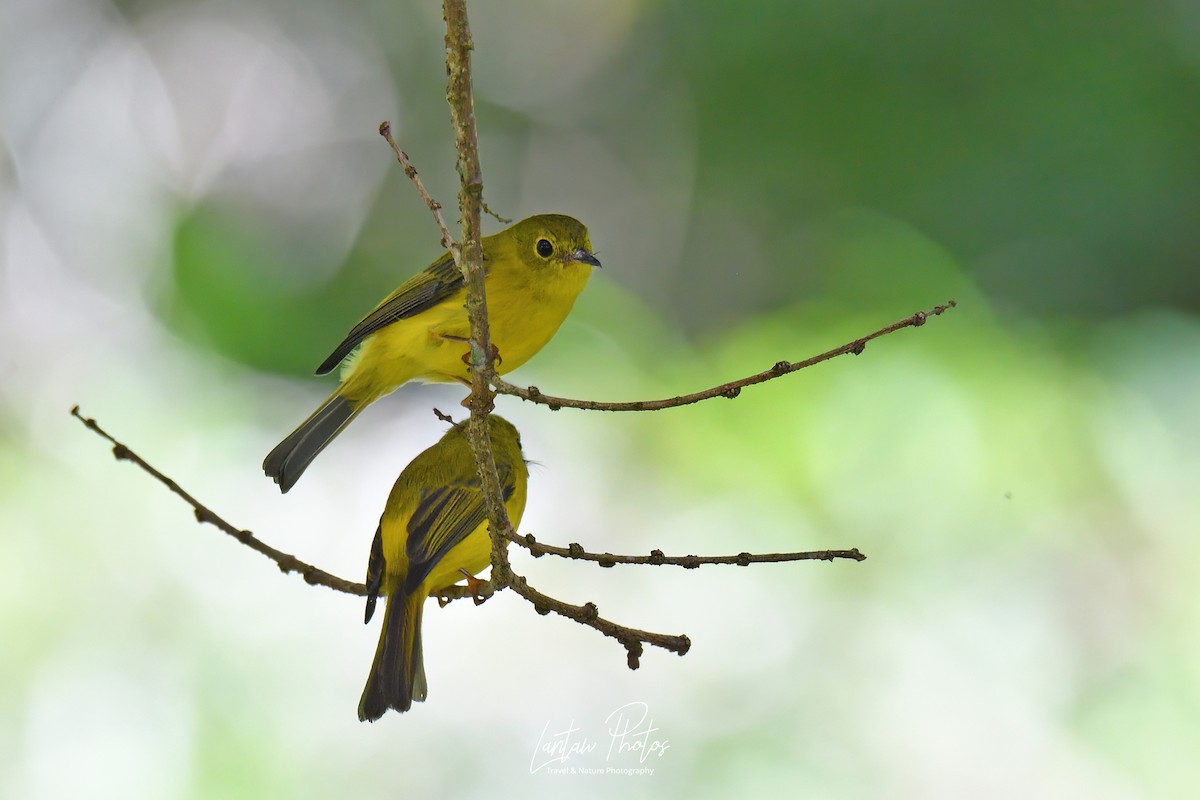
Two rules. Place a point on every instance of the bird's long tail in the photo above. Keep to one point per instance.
(287, 462)
(398, 673)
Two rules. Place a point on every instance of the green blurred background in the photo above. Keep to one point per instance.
(195, 206)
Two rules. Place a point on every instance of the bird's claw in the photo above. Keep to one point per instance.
(473, 584)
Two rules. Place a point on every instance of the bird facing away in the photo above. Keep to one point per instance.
(534, 271)
(433, 527)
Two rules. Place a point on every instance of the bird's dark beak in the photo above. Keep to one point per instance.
(583, 256)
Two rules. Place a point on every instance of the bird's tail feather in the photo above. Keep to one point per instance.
(287, 462)
(398, 673)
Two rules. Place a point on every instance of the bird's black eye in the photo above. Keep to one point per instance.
(544, 248)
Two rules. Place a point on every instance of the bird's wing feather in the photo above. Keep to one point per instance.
(375, 569)
(419, 293)
(444, 517)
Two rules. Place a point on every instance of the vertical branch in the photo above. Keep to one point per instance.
(466, 143)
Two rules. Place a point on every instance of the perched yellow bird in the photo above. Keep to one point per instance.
(434, 527)
(535, 270)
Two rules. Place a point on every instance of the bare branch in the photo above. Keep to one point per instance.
(385, 130)
(729, 390)
(502, 220)
(576, 552)
(285, 561)
(587, 614)
(483, 354)
(466, 144)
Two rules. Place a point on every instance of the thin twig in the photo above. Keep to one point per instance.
(385, 130)
(587, 614)
(487, 210)
(729, 390)
(285, 561)
(576, 552)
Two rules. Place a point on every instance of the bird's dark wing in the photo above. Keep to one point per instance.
(419, 293)
(443, 518)
(375, 569)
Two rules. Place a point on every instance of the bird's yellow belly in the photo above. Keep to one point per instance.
(473, 554)
(521, 328)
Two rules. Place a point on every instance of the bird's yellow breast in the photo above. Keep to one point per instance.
(526, 310)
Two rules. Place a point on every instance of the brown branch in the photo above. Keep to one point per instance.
(466, 144)
(470, 201)
(468, 256)
(494, 215)
(587, 614)
(576, 552)
(657, 558)
(285, 561)
(385, 130)
(729, 390)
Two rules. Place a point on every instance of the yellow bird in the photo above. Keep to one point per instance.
(535, 270)
(434, 528)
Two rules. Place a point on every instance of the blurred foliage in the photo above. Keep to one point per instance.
(1051, 150)
(1047, 144)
